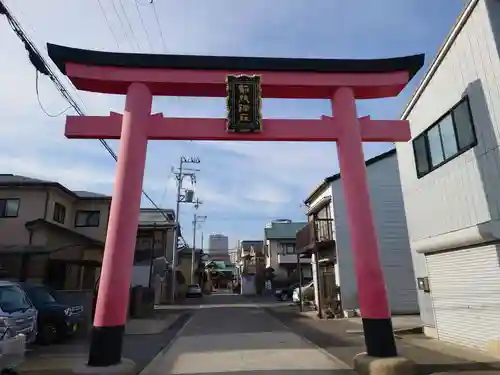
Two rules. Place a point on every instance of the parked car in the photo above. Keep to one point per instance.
(193, 290)
(307, 293)
(56, 320)
(18, 315)
(286, 293)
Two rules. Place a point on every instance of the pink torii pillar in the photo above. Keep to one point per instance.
(122, 74)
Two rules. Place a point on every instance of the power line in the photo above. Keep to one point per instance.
(129, 25)
(42, 66)
(144, 26)
(121, 23)
(159, 26)
(103, 11)
(37, 86)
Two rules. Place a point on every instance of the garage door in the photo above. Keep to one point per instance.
(465, 287)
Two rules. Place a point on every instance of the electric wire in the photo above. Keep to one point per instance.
(159, 26)
(124, 29)
(40, 102)
(144, 26)
(103, 11)
(127, 19)
(42, 66)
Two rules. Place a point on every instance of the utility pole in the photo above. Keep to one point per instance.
(196, 220)
(183, 196)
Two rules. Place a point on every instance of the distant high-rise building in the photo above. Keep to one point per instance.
(218, 247)
(218, 243)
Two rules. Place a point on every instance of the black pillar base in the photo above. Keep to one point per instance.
(379, 338)
(106, 346)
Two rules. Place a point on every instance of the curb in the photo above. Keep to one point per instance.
(150, 367)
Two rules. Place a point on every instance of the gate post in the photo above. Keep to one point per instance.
(372, 294)
(116, 272)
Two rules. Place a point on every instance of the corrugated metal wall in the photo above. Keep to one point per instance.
(465, 288)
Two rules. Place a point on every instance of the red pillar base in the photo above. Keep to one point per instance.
(106, 346)
(379, 337)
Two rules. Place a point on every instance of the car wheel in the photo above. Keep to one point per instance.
(48, 334)
(284, 297)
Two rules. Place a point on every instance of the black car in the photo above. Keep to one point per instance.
(286, 293)
(56, 320)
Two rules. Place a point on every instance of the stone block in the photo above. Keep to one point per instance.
(367, 365)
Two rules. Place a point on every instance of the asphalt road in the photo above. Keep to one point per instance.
(231, 334)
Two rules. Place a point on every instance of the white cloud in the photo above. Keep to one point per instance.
(236, 177)
(74, 176)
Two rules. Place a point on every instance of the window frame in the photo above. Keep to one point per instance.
(89, 212)
(284, 248)
(62, 209)
(459, 152)
(3, 214)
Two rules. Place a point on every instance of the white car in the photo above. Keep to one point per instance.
(194, 290)
(305, 291)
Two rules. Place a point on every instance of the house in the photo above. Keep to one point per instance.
(280, 251)
(51, 234)
(153, 250)
(155, 235)
(326, 240)
(450, 176)
(253, 266)
(192, 274)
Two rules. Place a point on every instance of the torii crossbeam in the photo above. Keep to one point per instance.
(326, 129)
(139, 77)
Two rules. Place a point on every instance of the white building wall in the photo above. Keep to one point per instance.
(456, 190)
(389, 214)
(458, 203)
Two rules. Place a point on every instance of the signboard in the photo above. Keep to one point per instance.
(244, 102)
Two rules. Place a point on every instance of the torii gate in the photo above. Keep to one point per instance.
(140, 76)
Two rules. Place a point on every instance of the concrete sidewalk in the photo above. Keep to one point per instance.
(343, 338)
(241, 338)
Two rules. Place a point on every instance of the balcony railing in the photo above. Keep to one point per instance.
(317, 231)
(290, 259)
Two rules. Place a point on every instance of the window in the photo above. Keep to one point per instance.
(287, 248)
(9, 207)
(87, 218)
(59, 213)
(13, 299)
(450, 136)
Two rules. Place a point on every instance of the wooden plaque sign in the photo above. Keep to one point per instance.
(244, 102)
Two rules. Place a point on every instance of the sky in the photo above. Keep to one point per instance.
(242, 185)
